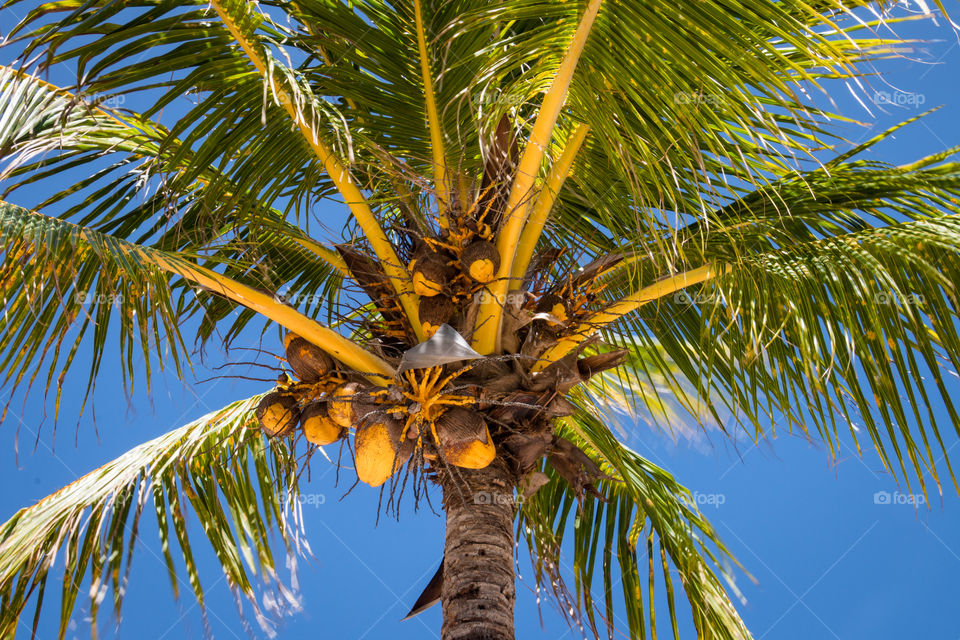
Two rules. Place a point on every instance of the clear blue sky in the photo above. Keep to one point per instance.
(829, 562)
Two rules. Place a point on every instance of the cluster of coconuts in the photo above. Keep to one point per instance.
(435, 272)
(325, 408)
(323, 421)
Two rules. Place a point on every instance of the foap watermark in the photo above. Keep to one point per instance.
(904, 99)
(493, 497)
(298, 299)
(108, 100)
(709, 499)
(687, 297)
(891, 297)
(514, 298)
(695, 97)
(311, 500)
(85, 298)
(897, 497)
(501, 98)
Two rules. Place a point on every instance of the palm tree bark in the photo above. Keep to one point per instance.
(478, 591)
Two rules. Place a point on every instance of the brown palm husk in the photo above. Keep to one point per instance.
(308, 361)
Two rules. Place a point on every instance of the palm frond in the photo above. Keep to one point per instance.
(640, 521)
(242, 19)
(852, 333)
(144, 187)
(849, 333)
(219, 467)
(56, 273)
(62, 284)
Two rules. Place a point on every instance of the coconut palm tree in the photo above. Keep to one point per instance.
(558, 211)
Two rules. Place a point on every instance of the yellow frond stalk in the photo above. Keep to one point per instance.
(326, 254)
(344, 350)
(545, 201)
(433, 118)
(359, 207)
(486, 337)
(628, 305)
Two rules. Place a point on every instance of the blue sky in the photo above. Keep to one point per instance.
(836, 549)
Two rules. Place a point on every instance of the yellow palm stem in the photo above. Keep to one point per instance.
(486, 337)
(628, 305)
(344, 350)
(392, 267)
(433, 118)
(545, 201)
(326, 254)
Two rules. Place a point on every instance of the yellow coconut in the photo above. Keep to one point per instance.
(380, 449)
(481, 260)
(430, 274)
(556, 307)
(278, 414)
(307, 360)
(342, 405)
(465, 439)
(434, 312)
(318, 428)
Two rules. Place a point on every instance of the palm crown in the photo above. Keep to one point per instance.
(555, 206)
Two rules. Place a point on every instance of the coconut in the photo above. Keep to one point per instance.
(318, 428)
(342, 405)
(380, 449)
(465, 439)
(278, 414)
(434, 312)
(430, 274)
(308, 361)
(481, 260)
(556, 307)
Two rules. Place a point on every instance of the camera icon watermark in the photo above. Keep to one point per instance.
(898, 498)
(903, 99)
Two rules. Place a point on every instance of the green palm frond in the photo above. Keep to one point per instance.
(147, 188)
(219, 467)
(849, 332)
(367, 55)
(640, 532)
(60, 280)
(829, 293)
(853, 330)
(63, 283)
(648, 388)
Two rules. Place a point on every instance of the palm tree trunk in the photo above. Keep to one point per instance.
(478, 591)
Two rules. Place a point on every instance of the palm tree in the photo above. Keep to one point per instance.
(558, 210)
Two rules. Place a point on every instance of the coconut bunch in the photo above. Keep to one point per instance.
(313, 403)
(448, 405)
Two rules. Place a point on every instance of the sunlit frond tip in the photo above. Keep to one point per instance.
(215, 465)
